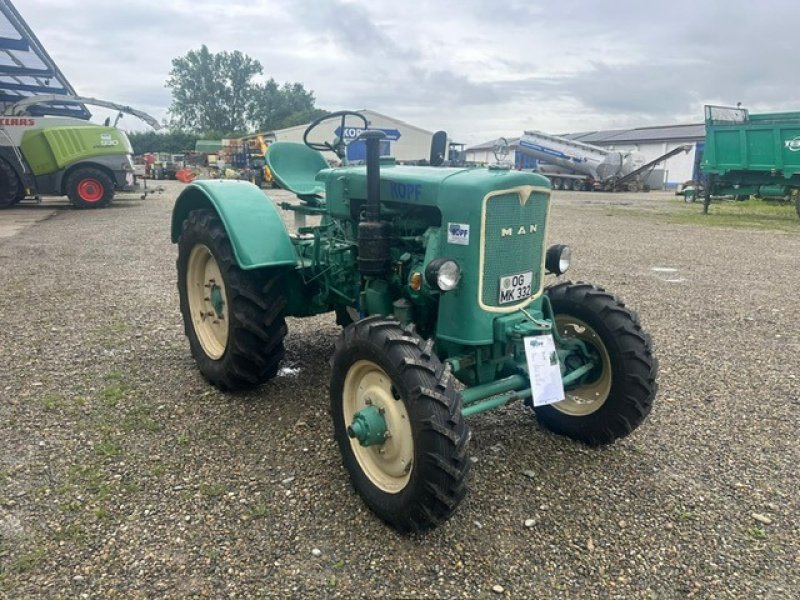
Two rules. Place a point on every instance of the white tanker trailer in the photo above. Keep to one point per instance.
(588, 167)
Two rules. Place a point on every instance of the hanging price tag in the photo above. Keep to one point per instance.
(544, 370)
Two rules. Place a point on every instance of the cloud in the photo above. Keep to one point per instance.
(478, 68)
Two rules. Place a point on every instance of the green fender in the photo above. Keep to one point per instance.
(255, 228)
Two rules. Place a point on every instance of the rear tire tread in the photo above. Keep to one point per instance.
(257, 326)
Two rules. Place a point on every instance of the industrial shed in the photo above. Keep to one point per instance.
(650, 141)
(405, 142)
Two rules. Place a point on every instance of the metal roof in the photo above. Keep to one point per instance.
(665, 133)
(26, 68)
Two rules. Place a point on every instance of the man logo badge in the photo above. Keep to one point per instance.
(521, 230)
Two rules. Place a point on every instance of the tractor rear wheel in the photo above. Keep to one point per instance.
(234, 319)
(10, 186)
(89, 188)
(398, 422)
(614, 398)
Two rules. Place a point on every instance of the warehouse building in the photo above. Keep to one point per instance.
(652, 142)
(405, 142)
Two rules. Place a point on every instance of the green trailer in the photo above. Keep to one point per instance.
(751, 154)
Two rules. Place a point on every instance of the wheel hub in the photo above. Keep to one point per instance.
(369, 426)
(90, 190)
(216, 299)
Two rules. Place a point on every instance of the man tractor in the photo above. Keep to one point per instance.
(437, 276)
(63, 155)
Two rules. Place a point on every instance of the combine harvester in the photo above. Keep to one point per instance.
(590, 167)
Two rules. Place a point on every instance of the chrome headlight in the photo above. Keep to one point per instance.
(443, 274)
(558, 259)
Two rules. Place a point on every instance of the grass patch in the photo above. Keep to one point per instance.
(750, 214)
(259, 511)
(108, 449)
(74, 532)
(685, 515)
(89, 479)
(113, 393)
(757, 533)
(53, 402)
(139, 419)
(182, 439)
(119, 327)
(212, 490)
(28, 561)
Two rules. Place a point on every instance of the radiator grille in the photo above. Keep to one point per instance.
(514, 237)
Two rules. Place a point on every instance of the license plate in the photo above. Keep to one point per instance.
(514, 288)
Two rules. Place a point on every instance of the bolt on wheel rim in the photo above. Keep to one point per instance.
(589, 397)
(208, 304)
(388, 466)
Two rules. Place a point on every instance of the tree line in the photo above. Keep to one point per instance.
(223, 95)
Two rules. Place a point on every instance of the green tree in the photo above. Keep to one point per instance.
(219, 92)
(212, 91)
(275, 107)
(174, 142)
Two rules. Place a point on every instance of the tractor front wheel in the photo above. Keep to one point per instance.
(615, 397)
(89, 188)
(398, 422)
(234, 319)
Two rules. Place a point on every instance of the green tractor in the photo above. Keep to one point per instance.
(437, 277)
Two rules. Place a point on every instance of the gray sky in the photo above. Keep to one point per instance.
(477, 68)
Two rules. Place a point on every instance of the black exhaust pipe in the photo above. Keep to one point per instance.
(373, 234)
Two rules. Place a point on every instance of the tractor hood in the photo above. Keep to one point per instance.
(493, 223)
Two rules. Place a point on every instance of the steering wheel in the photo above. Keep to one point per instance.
(338, 146)
(500, 149)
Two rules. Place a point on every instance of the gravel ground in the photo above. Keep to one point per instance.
(123, 474)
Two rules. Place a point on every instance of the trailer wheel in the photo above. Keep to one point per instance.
(616, 397)
(89, 188)
(398, 423)
(10, 186)
(233, 318)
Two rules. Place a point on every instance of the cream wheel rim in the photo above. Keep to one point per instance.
(208, 303)
(388, 466)
(588, 398)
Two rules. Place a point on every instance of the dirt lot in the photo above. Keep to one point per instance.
(123, 474)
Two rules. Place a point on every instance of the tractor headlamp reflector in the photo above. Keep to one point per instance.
(558, 259)
(443, 274)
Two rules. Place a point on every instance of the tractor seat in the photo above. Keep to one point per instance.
(295, 166)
